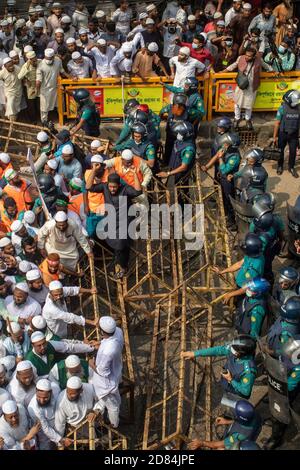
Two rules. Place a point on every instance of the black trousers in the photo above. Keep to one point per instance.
(291, 140)
(228, 190)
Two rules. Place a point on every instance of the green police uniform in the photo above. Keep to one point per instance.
(196, 111)
(245, 384)
(258, 314)
(271, 234)
(150, 153)
(251, 267)
(293, 379)
(233, 437)
(231, 166)
(125, 132)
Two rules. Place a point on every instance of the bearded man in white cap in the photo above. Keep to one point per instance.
(122, 17)
(47, 74)
(42, 408)
(56, 312)
(81, 67)
(74, 404)
(50, 168)
(185, 67)
(61, 236)
(18, 342)
(21, 305)
(108, 369)
(28, 75)
(45, 149)
(12, 88)
(41, 39)
(68, 166)
(22, 383)
(19, 232)
(72, 366)
(122, 62)
(37, 289)
(5, 163)
(145, 60)
(103, 54)
(15, 429)
(67, 27)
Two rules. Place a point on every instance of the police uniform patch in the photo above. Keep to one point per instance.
(231, 161)
(293, 374)
(245, 380)
(231, 439)
(247, 275)
(253, 319)
(151, 152)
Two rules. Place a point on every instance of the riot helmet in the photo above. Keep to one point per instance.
(255, 154)
(180, 98)
(259, 177)
(191, 85)
(183, 130)
(267, 199)
(244, 345)
(252, 245)
(131, 105)
(290, 310)
(224, 123)
(288, 274)
(139, 116)
(80, 95)
(230, 138)
(244, 412)
(46, 183)
(292, 98)
(139, 128)
(263, 217)
(258, 286)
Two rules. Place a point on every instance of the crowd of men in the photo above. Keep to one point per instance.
(47, 386)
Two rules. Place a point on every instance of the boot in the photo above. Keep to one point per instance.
(236, 123)
(249, 125)
(276, 438)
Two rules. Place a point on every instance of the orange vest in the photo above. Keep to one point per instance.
(5, 220)
(96, 200)
(47, 277)
(77, 203)
(8, 167)
(128, 176)
(19, 195)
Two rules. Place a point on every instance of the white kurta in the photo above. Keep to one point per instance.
(13, 436)
(73, 412)
(13, 90)
(185, 70)
(39, 295)
(29, 309)
(54, 375)
(4, 396)
(21, 395)
(46, 416)
(57, 316)
(48, 75)
(109, 365)
(103, 60)
(244, 98)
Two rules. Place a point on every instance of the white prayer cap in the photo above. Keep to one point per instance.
(39, 8)
(23, 287)
(185, 50)
(76, 55)
(101, 42)
(20, 23)
(150, 7)
(153, 47)
(100, 14)
(9, 407)
(49, 53)
(59, 31)
(143, 15)
(30, 55)
(4, 23)
(37, 336)
(2, 369)
(74, 383)
(13, 54)
(76, 183)
(23, 365)
(28, 49)
(68, 149)
(83, 31)
(55, 285)
(14, 327)
(10, 173)
(72, 361)
(70, 41)
(60, 216)
(95, 144)
(16, 226)
(52, 163)
(9, 362)
(39, 322)
(31, 11)
(97, 159)
(66, 19)
(56, 5)
(247, 6)
(6, 60)
(42, 136)
(127, 155)
(127, 47)
(25, 266)
(5, 241)
(149, 21)
(220, 23)
(4, 158)
(191, 18)
(33, 275)
(107, 324)
(44, 385)
(38, 24)
(29, 217)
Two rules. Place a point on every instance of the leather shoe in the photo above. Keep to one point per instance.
(279, 170)
(272, 443)
(293, 172)
(249, 125)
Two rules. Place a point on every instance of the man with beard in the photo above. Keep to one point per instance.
(55, 309)
(42, 408)
(20, 305)
(265, 21)
(185, 67)
(66, 26)
(22, 384)
(14, 427)
(61, 235)
(18, 343)
(95, 201)
(74, 404)
(28, 75)
(37, 290)
(12, 88)
(18, 233)
(3, 377)
(16, 188)
(52, 269)
(72, 366)
(59, 40)
(30, 251)
(40, 39)
(239, 25)
(9, 213)
(68, 166)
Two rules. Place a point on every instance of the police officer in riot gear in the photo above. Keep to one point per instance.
(239, 370)
(252, 310)
(139, 117)
(286, 129)
(287, 285)
(268, 200)
(253, 158)
(245, 427)
(228, 158)
(129, 108)
(183, 153)
(88, 117)
(50, 193)
(256, 185)
(224, 126)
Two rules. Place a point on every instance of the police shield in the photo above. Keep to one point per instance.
(243, 215)
(293, 228)
(277, 389)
